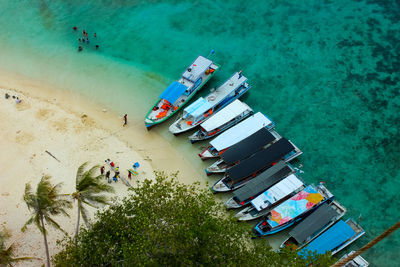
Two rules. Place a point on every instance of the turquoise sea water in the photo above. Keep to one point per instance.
(327, 73)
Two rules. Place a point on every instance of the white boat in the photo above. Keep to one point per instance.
(315, 224)
(356, 262)
(180, 92)
(236, 134)
(240, 174)
(204, 108)
(244, 149)
(278, 182)
(227, 117)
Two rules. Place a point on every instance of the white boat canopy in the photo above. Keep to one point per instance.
(277, 192)
(198, 67)
(226, 114)
(197, 108)
(240, 131)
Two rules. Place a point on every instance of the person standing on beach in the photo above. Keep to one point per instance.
(129, 175)
(125, 119)
(108, 176)
(102, 170)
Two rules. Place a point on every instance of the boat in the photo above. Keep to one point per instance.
(283, 182)
(292, 210)
(243, 150)
(315, 224)
(204, 108)
(262, 204)
(241, 173)
(356, 262)
(181, 91)
(224, 119)
(335, 238)
(236, 134)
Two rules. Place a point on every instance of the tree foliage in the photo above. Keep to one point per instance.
(45, 203)
(89, 191)
(164, 222)
(7, 257)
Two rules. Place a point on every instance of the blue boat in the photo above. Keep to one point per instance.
(339, 236)
(181, 91)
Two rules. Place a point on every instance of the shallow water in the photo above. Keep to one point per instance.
(327, 73)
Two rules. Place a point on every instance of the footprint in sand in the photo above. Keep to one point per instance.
(24, 138)
(61, 125)
(43, 113)
(23, 106)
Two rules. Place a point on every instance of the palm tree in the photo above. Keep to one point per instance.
(45, 203)
(89, 189)
(7, 253)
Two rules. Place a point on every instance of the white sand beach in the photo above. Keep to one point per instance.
(74, 130)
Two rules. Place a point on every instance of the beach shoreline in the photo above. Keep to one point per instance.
(74, 129)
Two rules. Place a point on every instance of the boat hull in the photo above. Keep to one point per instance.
(250, 213)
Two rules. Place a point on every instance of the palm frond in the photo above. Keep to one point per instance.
(54, 224)
(28, 222)
(80, 172)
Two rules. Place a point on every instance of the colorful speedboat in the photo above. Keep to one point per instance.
(181, 91)
(293, 210)
(204, 108)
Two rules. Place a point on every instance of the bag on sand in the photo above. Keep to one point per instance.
(109, 180)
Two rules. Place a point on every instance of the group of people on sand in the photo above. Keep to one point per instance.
(17, 100)
(114, 169)
(85, 39)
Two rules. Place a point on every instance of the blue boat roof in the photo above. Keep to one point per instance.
(198, 107)
(335, 236)
(173, 92)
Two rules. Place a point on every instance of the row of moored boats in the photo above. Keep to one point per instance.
(254, 162)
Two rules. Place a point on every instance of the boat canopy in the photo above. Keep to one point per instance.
(197, 108)
(260, 160)
(295, 206)
(226, 114)
(241, 131)
(332, 238)
(173, 92)
(263, 181)
(198, 67)
(248, 146)
(277, 192)
(313, 223)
